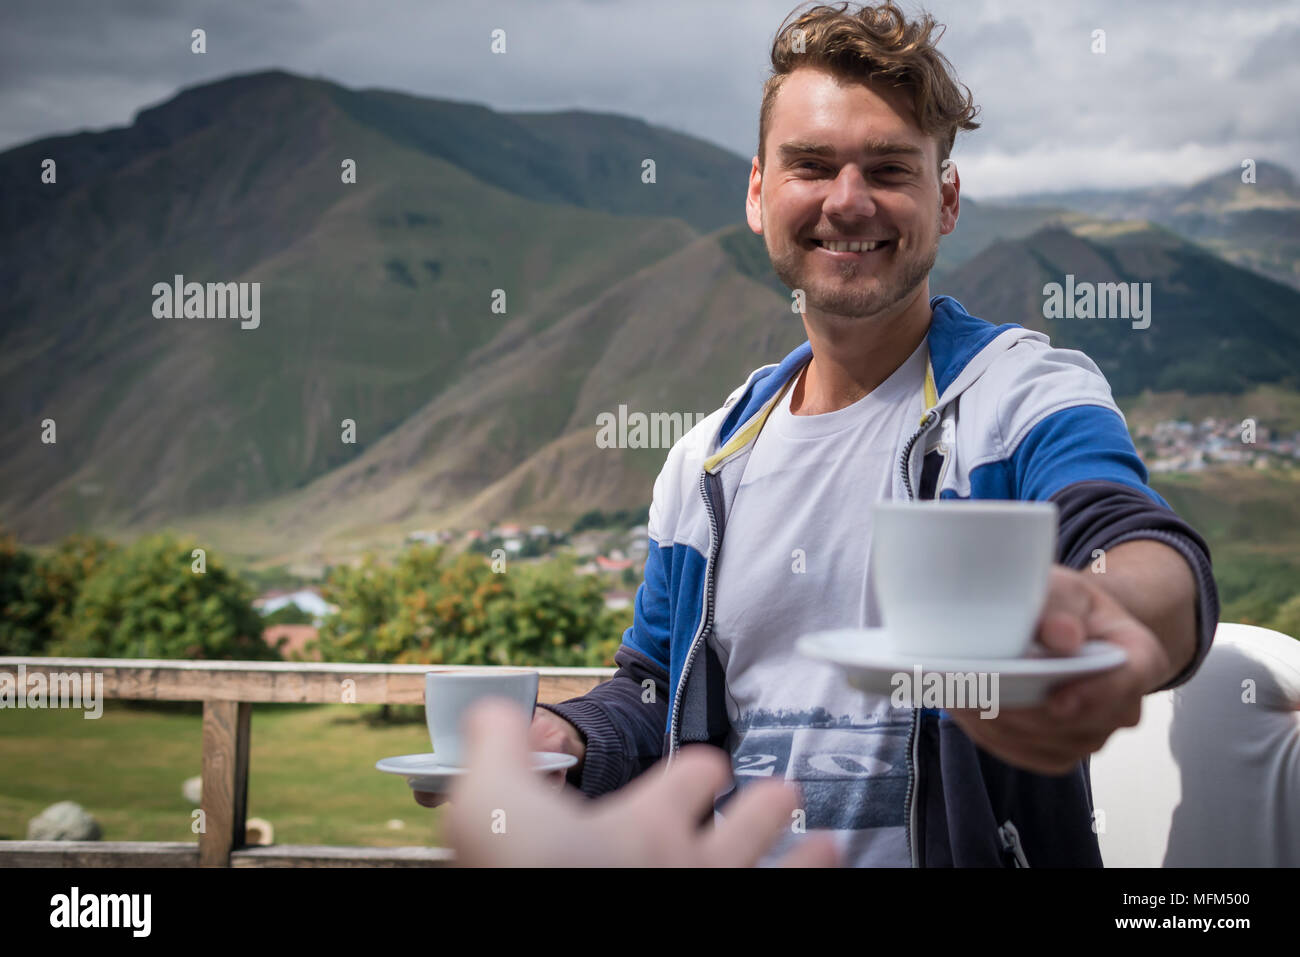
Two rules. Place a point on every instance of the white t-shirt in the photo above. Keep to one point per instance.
(794, 560)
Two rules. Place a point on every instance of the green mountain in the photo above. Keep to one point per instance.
(519, 439)
(1256, 225)
(375, 296)
(376, 306)
(1214, 327)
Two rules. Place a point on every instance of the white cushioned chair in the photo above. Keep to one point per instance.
(1211, 775)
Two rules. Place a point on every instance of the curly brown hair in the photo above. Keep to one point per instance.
(875, 41)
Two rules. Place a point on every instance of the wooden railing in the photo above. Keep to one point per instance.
(228, 689)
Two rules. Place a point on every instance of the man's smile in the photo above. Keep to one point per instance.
(850, 249)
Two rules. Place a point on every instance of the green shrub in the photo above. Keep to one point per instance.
(429, 608)
(152, 599)
(22, 629)
(38, 593)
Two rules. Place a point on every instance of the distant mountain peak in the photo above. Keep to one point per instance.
(202, 102)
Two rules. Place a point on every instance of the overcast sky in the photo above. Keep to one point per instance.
(1185, 88)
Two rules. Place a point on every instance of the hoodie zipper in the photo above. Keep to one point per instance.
(913, 738)
(1010, 838)
(903, 471)
(706, 620)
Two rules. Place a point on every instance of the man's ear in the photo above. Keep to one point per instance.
(754, 198)
(949, 197)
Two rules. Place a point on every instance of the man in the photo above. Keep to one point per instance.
(760, 524)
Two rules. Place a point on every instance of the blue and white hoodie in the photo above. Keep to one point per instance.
(1007, 416)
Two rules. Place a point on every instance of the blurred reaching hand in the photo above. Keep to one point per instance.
(504, 814)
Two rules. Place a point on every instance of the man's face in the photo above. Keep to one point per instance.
(846, 162)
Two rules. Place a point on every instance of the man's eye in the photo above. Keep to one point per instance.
(805, 163)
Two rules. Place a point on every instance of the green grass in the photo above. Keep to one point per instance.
(1251, 521)
(311, 773)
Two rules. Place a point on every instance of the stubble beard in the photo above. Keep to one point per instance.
(852, 298)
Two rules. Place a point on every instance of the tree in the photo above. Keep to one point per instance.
(37, 593)
(22, 630)
(430, 608)
(289, 614)
(148, 600)
(62, 574)
(594, 518)
(553, 616)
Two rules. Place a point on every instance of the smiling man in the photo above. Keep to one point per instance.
(760, 525)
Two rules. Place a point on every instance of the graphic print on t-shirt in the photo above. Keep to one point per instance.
(853, 774)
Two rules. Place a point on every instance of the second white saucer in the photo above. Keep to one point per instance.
(424, 773)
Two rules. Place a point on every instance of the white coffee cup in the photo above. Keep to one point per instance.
(449, 693)
(962, 579)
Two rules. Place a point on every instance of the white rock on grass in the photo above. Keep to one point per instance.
(192, 790)
(258, 831)
(65, 821)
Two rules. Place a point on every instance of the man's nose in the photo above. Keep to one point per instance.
(851, 195)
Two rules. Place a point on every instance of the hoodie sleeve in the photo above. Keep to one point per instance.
(622, 720)
(1082, 458)
(623, 735)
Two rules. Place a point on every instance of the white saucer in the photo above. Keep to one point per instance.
(870, 662)
(424, 773)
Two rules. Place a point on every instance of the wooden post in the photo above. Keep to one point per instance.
(226, 735)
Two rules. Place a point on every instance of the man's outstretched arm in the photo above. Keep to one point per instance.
(1130, 572)
(1154, 583)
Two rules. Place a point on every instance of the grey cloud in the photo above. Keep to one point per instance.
(1177, 72)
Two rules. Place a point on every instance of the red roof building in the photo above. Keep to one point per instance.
(295, 641)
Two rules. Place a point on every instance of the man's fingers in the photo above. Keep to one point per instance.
(1041, 753)
(754, 819)
(496, 736)
(1061, 633)
(543, 735)
(1147, 661)
(1089, 702)
(500, 777)
(1061, 621)
(691, 782)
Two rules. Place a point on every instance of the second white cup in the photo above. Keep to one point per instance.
(448, 694)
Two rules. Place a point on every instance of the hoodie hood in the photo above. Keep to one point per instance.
(961, 347)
